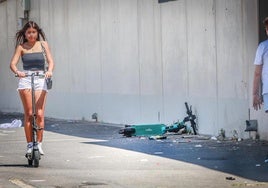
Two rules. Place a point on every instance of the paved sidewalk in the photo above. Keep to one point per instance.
(86, 154)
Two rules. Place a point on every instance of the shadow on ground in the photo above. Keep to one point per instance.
(244, 158)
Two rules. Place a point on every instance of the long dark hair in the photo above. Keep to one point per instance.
(20, 35)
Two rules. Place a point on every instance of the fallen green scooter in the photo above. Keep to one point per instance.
(160, 129)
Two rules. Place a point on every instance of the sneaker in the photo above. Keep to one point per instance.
(40, 149)
(29, 148)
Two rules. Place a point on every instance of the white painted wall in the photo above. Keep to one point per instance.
(137, 61)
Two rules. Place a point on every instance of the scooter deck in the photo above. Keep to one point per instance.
(148, 129)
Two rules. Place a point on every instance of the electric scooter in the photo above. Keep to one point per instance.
(160, 129)
(34, 157)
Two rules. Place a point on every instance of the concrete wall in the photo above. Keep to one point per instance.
(137, 61)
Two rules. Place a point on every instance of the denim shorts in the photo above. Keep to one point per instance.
(39, 82)
(265, 102)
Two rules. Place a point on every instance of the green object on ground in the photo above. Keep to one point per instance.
(160, 129)
(149, 130)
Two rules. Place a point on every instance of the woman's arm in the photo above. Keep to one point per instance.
(49, 59)
(14, 61)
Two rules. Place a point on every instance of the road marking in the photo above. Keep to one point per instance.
(7, 131)
(37, 180)
(20, 183)
(144, 160)
(95, 157)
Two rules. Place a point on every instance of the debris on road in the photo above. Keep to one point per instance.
(14, 124)
(230, 178)
(157, 137)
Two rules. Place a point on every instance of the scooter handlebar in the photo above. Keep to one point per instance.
(187, 107)
(32, 74)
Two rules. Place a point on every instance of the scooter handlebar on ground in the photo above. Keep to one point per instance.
(188, 110)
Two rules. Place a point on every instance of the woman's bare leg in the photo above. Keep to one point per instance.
(40, 98)
(26, 98)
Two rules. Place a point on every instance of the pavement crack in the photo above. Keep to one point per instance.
(86, 184)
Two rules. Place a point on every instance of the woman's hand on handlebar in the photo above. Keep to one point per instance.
(20, 74)
(48, 74)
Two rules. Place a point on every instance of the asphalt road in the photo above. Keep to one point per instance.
(86, 154)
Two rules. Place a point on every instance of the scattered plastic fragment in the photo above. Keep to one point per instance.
(54, 125)
(230, 178)
(158, 153)
(213, 138)
(157, 137)
(14, 124)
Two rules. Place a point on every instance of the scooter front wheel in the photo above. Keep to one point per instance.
(36, 158)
